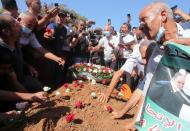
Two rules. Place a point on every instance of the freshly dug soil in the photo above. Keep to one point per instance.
(50, 114)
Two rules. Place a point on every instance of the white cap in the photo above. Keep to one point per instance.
(182, 71)
(127, 39)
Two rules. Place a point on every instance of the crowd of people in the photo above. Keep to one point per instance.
(132, 52)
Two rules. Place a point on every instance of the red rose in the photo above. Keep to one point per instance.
(48, 30)
(103, 82)
(75, 84)
(78, 104)
(109, 109)
(66, 85)
(70, 117)
(81, 86)
(75, 81)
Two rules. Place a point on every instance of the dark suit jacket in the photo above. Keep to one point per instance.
(161, 93)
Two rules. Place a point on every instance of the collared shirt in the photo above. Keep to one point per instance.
(131, 62)
(3, 44)
(104, 42)
(30, 39)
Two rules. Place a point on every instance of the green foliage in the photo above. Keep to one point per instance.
(64, 8)
(1, 10)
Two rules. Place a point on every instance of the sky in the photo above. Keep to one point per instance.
(116, 10)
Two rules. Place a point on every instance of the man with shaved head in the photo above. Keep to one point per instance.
(157, 23)
(28, 22)
(34, 7)
(11, 91)
(8, 27)
(10, 32)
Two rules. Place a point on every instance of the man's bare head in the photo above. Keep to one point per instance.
(153, 16)
(9, 27)
(34, 6)
(27, 19)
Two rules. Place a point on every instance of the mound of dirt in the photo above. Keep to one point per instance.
(50, 115)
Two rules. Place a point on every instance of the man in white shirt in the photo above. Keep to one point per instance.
(127, 67)
(108, 43)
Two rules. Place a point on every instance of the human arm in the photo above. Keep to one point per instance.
(129, 105)
(50, 14)
(18, 96)
(183, 41)
(182, 14)
(131, 125)
(51, 56)
(103, 97)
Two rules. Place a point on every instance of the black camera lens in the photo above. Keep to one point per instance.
(174, 7)
(56, 4)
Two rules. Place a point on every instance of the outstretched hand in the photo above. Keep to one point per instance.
(39, 96)
(53, 12)
(60, 61)
(130, 126)
(116, 114)
(103, 97)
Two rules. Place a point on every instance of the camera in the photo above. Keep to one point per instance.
(177, 18)
(174, 7)
(56, 4)
(94, 36)
(90, 23)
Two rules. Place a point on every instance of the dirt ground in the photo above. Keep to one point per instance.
(50, 115)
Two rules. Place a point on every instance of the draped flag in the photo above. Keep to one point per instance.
(167, 103)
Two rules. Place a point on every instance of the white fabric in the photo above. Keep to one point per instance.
(31, 39)
(107, 48)
(131, 62)
(186, 88)
(128, 38)
(185, 113)
(126, 53)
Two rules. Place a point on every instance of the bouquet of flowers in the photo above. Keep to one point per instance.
(88, 71)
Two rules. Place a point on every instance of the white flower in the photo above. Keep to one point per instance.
(46, 88)
(57, 93)
(93, 94)
(120, 94)
(90, 70)
(68, 90)
(109, 71)
(84, 69)
(99, 67)
(93, 82)
(88, 64)
(100, 71)
(80, 82)
(95, 71)
(18, 112)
